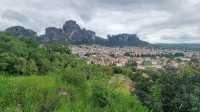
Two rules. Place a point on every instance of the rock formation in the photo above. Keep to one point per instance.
(21, 31)
(72, 33)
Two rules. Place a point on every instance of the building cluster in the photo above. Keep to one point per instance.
(139, 57)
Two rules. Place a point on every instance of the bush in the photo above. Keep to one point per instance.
(100, 96)
(72, 77)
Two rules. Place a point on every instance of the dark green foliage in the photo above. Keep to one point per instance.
(180, 93)
(169, 91)
(22, 56)
(117, 70)
(172, 56)
(178, 54)
(100, 96)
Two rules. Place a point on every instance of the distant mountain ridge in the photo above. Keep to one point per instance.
(179, 46)
(72, 33)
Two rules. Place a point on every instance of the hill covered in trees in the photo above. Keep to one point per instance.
(72, 33)
(46, 77)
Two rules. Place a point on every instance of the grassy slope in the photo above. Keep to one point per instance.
(50, 94)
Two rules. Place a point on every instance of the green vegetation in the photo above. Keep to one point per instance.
(169, 91)
(48, 78)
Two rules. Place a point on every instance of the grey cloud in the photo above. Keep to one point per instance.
(154, 20)
(14, 16)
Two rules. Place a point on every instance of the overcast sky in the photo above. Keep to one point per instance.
(156, 21)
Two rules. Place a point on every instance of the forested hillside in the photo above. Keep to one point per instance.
(48, 78)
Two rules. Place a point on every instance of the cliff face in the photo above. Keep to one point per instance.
(125, 40)
(21, 31)
(53, 34)
(71, 26)
(72, 33)
(76, 35)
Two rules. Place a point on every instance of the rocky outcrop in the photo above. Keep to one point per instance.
(82, 37)
(71, 33)
(125, 40)
(21, 31)
(74, 34)
(71, 26)
(53, 34)
(101, 41)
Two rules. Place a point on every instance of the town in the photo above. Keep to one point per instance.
(139, 57)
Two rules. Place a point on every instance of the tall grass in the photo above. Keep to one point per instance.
(48, 94)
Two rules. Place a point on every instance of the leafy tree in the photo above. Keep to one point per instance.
(180, 93)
